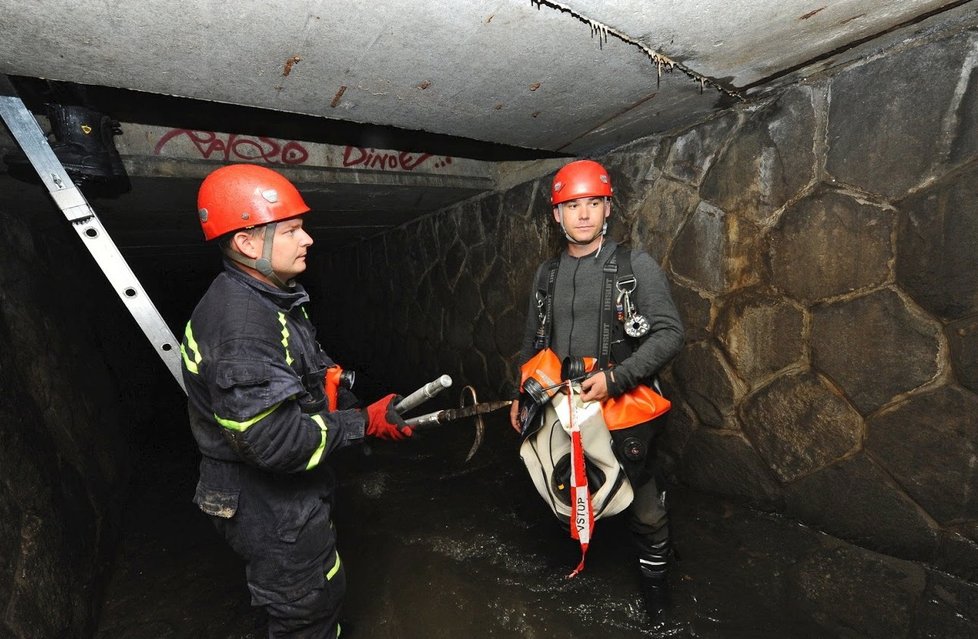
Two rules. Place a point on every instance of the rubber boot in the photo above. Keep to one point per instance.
(654, 574)
(655, 592)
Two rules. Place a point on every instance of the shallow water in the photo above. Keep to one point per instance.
(437, 548)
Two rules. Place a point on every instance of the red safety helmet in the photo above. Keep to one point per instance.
(583, 178)
(240, 196)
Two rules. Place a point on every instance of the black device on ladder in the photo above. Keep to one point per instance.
(75, 207)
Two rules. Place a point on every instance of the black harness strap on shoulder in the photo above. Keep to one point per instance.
(610, 269)
(613, 344)
(545, 304)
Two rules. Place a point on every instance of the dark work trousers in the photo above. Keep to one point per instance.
(648, 519)
(283, 532)
(649, 523)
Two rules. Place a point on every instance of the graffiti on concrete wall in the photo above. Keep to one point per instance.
(231, 147)
(356, 156)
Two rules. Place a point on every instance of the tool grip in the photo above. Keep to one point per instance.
(423, 394)
(422, 422)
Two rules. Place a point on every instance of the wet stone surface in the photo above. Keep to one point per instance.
(436, 548)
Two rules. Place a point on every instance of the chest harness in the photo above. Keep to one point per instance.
(621, 326)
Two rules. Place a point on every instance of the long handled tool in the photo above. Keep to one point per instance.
(423, 394)
(439, 417)
(475, 409)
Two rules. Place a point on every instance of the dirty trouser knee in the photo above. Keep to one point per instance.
(293, 570)
(314, 615)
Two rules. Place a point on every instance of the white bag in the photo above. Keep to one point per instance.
(546, 454)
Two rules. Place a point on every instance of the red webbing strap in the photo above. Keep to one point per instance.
(582, 518)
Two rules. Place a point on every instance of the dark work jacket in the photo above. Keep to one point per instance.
(254, 376)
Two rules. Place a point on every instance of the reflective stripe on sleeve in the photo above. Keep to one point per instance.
(240, 427)
(285, 337)
(318, 455)
(190, 344)
(336, 567)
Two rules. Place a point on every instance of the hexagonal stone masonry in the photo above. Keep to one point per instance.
(963, 342)
(690, 154)
(963, 131)
(937, 236)
(453, 260)
(958, 554)
(666, 206)
(770, 160)
(718, 252)
(868, 594)
(874, 348)
(799, 425)
(761, 333)
(929, 445)
(828, 244)
(706, 385)
(883, 124)
(856, 500)
(743, 473)
(627, 169)
(694, 309)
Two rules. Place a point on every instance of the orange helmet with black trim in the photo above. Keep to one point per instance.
(239, 196)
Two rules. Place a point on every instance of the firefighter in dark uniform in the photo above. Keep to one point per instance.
(258, 408)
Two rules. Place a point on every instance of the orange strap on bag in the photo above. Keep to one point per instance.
(547, 370)
(544, 367)
(582, 520)
(640, 404)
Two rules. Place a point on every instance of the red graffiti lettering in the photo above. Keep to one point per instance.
(238, 147)
(374, 159)
(294, 153)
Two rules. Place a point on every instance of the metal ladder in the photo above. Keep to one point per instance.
(80, 214)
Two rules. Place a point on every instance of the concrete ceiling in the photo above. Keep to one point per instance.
(481, 79)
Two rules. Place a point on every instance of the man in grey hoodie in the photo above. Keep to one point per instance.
(632, 335)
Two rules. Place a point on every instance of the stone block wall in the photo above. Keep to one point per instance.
(823, 248)
(831, 256)
(65, 434)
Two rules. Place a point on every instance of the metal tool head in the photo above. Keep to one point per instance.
(480, 425)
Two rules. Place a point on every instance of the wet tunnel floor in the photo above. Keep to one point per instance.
(435, 548)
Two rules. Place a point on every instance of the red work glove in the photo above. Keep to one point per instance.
(383, 422)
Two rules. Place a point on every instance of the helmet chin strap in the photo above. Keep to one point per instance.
(264, 263)
(604, 229)
(601, 233)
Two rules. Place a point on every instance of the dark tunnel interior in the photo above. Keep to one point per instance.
(818, 460)
(435, 546)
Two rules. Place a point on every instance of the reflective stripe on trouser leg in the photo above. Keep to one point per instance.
(649, 523)
(316, 613)
(653, 560)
